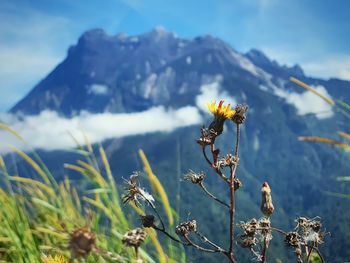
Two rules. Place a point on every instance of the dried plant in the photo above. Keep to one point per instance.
(257, 233)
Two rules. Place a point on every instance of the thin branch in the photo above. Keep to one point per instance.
(206, 240)
(206, 157)
(170, 236)
(256, 254)
(201, 248)
(219, 172)
(237, 139)
(212, 196)
(216, 169)
(317, 250)
(155, 210)
(272, 228)
(308, 253)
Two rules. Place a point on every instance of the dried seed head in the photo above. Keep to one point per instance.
(309, 229)
(266, 207)
(82, 242)
(147, 220)
(194, 177)
(207, 137)
(250, 228)
(134, 238)
(248, 242)
(134, 192)
(228, 160)
(292, 239)
(186, 227)
(265, 224)
(240, 115)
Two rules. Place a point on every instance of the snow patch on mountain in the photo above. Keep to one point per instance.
(97, 89)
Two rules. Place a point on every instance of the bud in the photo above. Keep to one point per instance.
(147, 220)
(266, 207)
(237, 184)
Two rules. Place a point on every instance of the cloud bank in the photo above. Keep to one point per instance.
(307, 102)
(50, 131)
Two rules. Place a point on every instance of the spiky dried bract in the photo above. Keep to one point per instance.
(292, 239)
(54, 259)
(310, 230)
(248, 239)
(255, 232)
(266, 207)
(207, 137)
(82, 241)
(228, 161)
(134, 192)
(134, 238)
(186, 227)
(240, 116)
(195, 178)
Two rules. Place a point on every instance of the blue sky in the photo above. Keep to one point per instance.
(35, 34)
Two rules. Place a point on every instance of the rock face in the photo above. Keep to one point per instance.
(123, 73)
(132, 73)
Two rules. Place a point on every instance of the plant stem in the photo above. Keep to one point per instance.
(232, 196)
(264, 253)
(169, 235)
(155, 210)
(206, 240)
(211, 195)
(201, 248)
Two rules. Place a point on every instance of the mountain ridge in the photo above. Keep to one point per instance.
(124, 68)
(99, 76)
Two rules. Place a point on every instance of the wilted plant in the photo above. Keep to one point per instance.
(257, 233)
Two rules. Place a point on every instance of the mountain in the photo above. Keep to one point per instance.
(127, 74)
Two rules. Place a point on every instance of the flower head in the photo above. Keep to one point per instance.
(221, 111)
(221, 114)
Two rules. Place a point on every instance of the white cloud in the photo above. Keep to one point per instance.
(39, 130)
(307, 102)
(49, 131)
(336, 66)
(327, 66)
(210, 91)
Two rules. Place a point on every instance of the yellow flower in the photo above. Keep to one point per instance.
(221, 111)
(55, 259)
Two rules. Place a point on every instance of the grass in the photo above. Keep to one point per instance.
(38, 215)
